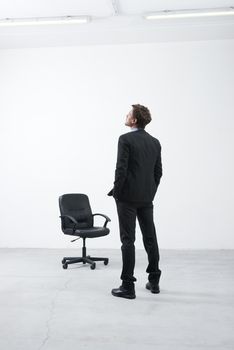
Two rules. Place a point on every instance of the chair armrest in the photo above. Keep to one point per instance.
(71, 218)
(105, 216)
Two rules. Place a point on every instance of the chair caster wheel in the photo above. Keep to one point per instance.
(106, 261)
(65, 266)
(63, 261)
(93, 266)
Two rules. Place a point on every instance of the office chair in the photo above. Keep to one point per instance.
(77, 220)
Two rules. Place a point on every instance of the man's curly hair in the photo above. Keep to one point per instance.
(142, 115)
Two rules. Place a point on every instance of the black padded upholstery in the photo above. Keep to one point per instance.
(76, 205)
(77, 220)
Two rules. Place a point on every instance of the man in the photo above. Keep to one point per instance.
(137, 176)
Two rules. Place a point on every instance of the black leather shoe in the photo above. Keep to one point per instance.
(123, 293)
(153, 287)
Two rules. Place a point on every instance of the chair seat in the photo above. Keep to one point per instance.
(91, 232)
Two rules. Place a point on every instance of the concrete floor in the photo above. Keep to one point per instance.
(45, 307)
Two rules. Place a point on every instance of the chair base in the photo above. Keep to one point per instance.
(87, 259)
(84, 259)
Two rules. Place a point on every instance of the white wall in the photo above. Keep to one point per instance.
(62, 111)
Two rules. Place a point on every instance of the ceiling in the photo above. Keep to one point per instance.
(113, 22)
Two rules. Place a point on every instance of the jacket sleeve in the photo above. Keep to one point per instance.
(121, 166)
(158, 169)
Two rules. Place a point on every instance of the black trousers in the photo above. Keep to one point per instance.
(127, 213)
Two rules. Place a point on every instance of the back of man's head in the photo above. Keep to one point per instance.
(142, 115)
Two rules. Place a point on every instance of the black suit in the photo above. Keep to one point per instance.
(137, 176)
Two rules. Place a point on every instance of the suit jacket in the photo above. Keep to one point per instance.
(138, 168)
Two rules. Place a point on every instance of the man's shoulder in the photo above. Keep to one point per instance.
(156, 140)
(126, 135)
(132, 134)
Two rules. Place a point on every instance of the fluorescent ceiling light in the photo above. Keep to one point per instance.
(9, 22)
(190, 13)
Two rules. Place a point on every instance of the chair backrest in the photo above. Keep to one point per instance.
(78, 206)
